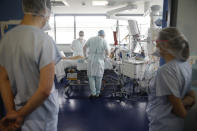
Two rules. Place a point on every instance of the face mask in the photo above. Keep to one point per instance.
(81, 37)
(157, 53)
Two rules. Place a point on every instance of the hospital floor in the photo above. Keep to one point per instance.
(103, 114)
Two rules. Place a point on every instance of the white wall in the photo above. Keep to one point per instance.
(186, 22)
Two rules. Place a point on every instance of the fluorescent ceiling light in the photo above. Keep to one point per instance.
(99, 3)
(66, 3)
(59, 3)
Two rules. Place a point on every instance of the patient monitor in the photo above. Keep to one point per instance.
(133, 27)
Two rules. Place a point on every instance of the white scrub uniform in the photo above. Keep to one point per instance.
(97, 47)
(173, 78)
(77, 47)
(95, 69)
(24, 51)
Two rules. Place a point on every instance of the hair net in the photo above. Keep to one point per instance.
(177, 43)
(101, 33)
(81, 33)
(37, 7)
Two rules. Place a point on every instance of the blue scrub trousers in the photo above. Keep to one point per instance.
(95, 85)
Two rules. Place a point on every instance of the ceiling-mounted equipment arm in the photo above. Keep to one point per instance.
(112, 14)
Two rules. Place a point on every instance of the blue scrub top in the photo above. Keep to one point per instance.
(24, 51)
(97, 47)
(173, 78)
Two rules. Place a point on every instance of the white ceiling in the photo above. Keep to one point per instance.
(77, 8)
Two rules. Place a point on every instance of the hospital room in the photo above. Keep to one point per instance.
(98, 65)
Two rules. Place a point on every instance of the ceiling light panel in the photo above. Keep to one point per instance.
(99, 2)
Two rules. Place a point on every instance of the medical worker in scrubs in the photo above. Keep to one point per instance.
(27, 60)
(77, 45)
(98, 51)
(170, 94)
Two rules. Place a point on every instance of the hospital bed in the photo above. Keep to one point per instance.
(77, 65)
(75, 71)
(117, 82)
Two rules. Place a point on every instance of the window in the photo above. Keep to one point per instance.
(51, 31)
(92, 24)
(64, 29)
(123, 32)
